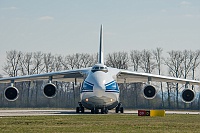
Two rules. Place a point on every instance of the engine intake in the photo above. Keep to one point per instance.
(50, 90)
(11, 93)
(149, 92)
(188, 95)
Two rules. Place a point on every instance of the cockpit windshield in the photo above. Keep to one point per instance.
(99, 68)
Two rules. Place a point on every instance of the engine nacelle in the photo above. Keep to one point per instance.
(188, 95)
(49, 90)
(149, 92)
(11, 93)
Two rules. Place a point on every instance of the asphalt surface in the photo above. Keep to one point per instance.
(30, 112)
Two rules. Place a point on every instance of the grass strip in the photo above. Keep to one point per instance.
(101, 123)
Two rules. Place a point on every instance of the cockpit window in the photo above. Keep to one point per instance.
(97, 68)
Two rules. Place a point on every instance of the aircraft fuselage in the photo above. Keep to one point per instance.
(99, 89)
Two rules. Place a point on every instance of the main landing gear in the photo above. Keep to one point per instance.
(95, 110)
(119, 108)
(80, 108)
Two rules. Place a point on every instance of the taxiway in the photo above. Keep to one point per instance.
(30, 112)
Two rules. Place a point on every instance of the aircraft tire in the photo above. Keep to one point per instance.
(104, 111)
(92, 111)
(117, 110)
(121, 110)
(77, 109)
(96, 111)
(82, 110)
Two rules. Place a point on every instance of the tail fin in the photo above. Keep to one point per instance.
(100, 59)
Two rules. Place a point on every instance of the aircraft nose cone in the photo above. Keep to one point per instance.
(99, 91)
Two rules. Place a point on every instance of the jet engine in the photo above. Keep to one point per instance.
(11, 93)
(188, 95)
(49, 90)
(149, 92)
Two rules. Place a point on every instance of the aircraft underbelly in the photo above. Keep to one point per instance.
(110, 100)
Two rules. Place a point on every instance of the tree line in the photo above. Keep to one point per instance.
(19, 63)
(180, 64)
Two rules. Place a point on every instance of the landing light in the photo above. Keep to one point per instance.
(111, 100)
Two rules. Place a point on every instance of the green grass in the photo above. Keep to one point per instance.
(101, 123)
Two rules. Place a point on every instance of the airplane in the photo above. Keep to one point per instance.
(99, 90)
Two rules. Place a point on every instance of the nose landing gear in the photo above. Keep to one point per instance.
(104, 110)
(96, 110)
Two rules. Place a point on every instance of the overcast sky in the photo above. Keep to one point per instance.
(72, 26)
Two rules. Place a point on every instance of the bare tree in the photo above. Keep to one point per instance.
(169, 94)
(157, 55)
(87, 60)
(12, 63)
(48, 62)
(118, 60)
(135, 57)
(175, 65)
(25, 67)
(78, 60)
(180, 64)
(38, 66)
(94, 59)
(25, 64)
(70, 61)
(65, 62)
(196, 62)
(146, 63)
(188, 57)
(58, 63)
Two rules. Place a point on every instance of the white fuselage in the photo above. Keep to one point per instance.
(99, 90)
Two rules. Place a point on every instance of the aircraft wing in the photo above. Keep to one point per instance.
(68, 76)
(130, 77)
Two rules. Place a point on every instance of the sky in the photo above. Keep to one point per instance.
(65, 27)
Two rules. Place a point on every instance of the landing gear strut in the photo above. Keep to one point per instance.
(80, 108)
(96, 111)
(104, 110)
(119, 108)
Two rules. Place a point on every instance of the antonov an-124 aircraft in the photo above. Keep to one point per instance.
(99, 90)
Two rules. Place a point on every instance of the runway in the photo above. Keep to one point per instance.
(30, 112)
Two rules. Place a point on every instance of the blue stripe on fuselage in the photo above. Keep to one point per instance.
(112, 87)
